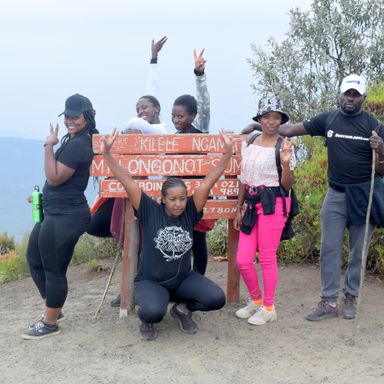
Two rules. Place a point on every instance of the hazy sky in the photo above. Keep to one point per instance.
(51, 49)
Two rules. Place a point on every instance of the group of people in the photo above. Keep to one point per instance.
(168, 229)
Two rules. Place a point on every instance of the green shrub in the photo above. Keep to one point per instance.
(90, 248)
(6, 243)
(217, 239)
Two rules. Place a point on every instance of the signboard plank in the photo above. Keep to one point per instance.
(165, 165)
(222, 188)
(155, 144)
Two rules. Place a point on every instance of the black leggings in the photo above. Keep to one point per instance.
(198, 292)
(200, 252)
(49, 253)
(100, 224)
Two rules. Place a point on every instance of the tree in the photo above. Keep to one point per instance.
(332, 40)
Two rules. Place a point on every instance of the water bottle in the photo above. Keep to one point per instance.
(37, 208)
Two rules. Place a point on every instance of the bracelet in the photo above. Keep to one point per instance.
(380, 161)
(45, 144)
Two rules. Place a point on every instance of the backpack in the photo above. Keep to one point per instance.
(288, 231)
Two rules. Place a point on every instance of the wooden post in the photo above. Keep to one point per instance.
(233, 279)
(129, 259)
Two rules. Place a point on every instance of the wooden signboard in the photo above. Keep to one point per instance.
(150, 158)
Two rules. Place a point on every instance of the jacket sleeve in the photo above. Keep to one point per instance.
(203, 104)
(152, 86)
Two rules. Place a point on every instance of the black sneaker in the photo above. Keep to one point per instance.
(186, 324)
(148, 331)
(350, 307)
(116, 301)
(41, 318)
(324, 310)
(40, 330)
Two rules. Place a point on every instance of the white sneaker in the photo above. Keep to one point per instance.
(247, 311)
(262, 316)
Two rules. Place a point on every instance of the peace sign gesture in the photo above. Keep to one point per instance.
(107, 141)
(53, 131)
(199, 61)
(286, 152)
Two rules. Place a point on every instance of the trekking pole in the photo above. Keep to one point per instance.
(118, 252)
(364, 252)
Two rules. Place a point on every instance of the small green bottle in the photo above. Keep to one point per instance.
(37, 207)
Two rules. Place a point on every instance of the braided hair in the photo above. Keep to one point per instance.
(171, 182)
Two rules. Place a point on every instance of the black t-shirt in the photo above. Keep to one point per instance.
(347, 141)
(189, 129)
(77, 154)
(166, 242)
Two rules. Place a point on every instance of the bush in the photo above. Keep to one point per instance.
(217, 239)
(12, 267)
(90, 248)
(7, 243)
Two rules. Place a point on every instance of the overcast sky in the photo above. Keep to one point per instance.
(51, 49)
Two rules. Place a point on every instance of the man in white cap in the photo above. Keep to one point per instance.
(351, 134)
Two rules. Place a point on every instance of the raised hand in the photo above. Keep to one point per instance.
(156, 46)
(286, 152)
(53, 131)
(199, 61)
(107, 141)
(228, 141)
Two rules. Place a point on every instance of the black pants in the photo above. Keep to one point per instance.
(200, 252)
(49, 253)
(198, 292)
(100, 224)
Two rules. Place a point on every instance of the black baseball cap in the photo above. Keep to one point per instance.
(76, 104)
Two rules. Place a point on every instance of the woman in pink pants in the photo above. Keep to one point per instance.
(263, 208)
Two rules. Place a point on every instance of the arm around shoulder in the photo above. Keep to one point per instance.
(292, 130)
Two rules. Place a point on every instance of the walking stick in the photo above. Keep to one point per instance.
(364, 252)
(118, 253)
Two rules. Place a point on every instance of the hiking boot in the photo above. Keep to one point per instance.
(262, 316)
(186, 324)
(148, 331)
(350, 307)
(324, 310)
(41, 318)
(116, 301)
(247, 311)
(40, 330)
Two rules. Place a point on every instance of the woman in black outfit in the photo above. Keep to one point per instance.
(66, 212)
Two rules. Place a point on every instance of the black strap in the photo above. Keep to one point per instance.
(278, 164)
(253, 138)
(280, 171)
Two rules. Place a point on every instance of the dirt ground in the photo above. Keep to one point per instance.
(225, 350)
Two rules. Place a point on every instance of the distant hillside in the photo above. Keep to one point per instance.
(22, 168)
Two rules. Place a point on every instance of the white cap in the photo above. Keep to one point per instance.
(353, 82)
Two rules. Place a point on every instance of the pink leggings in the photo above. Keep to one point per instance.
(264, 237)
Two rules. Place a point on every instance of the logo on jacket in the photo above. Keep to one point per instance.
(173, 242)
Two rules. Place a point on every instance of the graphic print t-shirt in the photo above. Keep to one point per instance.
(166, 242)
(349, 151)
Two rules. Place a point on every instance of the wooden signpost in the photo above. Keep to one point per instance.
(151, 158)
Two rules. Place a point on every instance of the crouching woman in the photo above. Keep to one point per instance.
(167, 231)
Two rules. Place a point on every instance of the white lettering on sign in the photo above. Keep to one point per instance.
(158, 144)
(164, 166)
(207, 144)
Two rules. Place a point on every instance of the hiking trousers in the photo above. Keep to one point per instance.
(334, 220)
